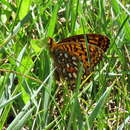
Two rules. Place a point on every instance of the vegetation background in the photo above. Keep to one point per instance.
(26, 83)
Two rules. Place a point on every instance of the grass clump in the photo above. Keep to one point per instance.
(27, 88)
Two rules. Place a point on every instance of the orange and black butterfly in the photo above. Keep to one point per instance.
(70, 51)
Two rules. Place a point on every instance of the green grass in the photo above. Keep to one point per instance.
(27, 86)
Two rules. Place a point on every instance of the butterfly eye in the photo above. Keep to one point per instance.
(50, 40)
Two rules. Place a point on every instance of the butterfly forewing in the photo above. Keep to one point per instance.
(99, 40)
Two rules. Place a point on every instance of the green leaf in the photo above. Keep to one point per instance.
(53, 20)
(24, 8)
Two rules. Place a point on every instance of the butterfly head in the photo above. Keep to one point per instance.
(52, 44)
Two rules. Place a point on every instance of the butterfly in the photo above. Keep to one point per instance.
(86, 48)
